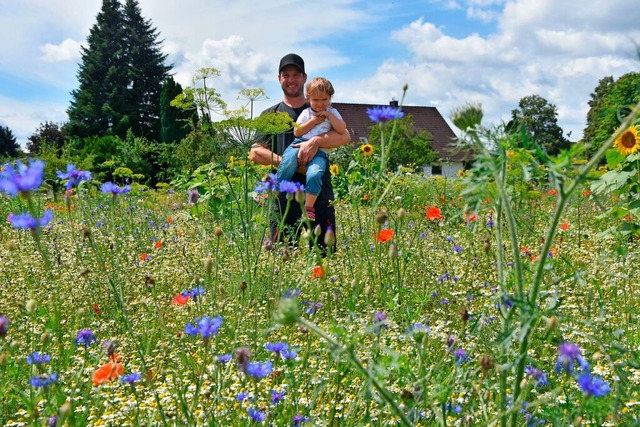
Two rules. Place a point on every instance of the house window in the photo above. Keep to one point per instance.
(436, 169)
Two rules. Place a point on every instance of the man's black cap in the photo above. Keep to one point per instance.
(291, 59)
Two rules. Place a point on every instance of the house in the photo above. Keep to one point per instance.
(451, 159)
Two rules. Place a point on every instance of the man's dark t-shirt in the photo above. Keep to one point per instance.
(325, 213)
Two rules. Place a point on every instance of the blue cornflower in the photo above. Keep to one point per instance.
(593, 385)
(312, 308)
(267, 185)
(256, 415)
(194, 195)
(224, 358)
(384, 114)
(43, 380)
(277, 396)
(131, 378)
(418, 331)
(568, 354)
(110, 187)
(21, 178)
(73, 176)
(299, 419)
(242, 396)
(289, 354)
(277, 347)
(292, 293)
(194, 293)
(456, 409)
(490, 221)
(85, 337)
(259, 370)
(25, 221)
(457, 249)
(445, 301)
(461, 356)
(52, 421)
(538, 375)
(290, 187)
(205, 326)
(37, 358)
(449, 239)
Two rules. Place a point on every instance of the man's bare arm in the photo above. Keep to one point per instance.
(260, 154)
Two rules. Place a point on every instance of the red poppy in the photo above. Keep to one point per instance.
(564, 226)
(107, 372)
(157, 244)
(180, 299)
(144, 257)
(384, 235)
(169, 220)
(470, 217)
(553, 192)
(317, 272)
(433, 213)
(586, 193)
(96, 309)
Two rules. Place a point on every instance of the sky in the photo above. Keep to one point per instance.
(449, 52)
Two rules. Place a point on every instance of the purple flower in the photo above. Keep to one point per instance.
(267, 185)
(4, 325)
(37, 358)
(52, 421)
(593, 385)
(193, 196)
(73, 176)
(21, 178)
(538, 375)
(85, 337)
(379, 321)
(461, 356)
(25, 221)
(290, 187)
(292, 293)
(568, 354)
(110, 187)
(131, 378)
(457, 249)
(242, 396)
(384, 114)
(456, 409)
(277, 396)
(256, 415)
(205, 326)
(43, 380)
(224, 358)
(194, 293)
(299, 419)
(277, 347)
(490, 221)
(259, 370)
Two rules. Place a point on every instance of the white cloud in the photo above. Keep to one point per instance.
(68, 50)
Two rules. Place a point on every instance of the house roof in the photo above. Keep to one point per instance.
(424, 118)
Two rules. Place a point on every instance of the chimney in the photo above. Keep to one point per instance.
(393, 103)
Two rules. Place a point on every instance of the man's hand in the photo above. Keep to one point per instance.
(308, 149)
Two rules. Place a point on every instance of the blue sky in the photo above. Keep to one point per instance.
(449, 52)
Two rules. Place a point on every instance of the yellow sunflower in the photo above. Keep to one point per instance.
(366, 149)
(628, 142)
(334, 169)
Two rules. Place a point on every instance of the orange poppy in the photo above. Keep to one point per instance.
(384, 235)
(144, 256)
(317, 272)
(169, 220)
(433, 213)
(107, 372)
(564, 226)
(180, 299)
(553, 192)
(157, 244)
(586, 193)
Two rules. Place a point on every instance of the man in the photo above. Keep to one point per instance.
(292, 78)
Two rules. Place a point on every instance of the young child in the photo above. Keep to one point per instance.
(319, 118)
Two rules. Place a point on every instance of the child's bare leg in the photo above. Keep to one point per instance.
(309, 201)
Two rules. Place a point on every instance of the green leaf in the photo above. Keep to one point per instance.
(614, 158)
(610, 181)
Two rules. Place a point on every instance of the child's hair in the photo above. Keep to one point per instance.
(320, 84)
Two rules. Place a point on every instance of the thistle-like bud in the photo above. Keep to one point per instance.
(487, 363)
(243, 286)
(381, 216)
(86, 232)
(65, 409)
(217, 231)
(45, 337)
(402, 213)
(287, 311)
(467, 117)
(329, 237)
(208, 265)
(3, 359)
(317, 231)
(393, 251)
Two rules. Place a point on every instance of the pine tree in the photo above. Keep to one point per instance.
(120, 76)
(8, 145)
(175, 122)
(146, 70)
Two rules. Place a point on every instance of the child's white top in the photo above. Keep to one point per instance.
(318, 129)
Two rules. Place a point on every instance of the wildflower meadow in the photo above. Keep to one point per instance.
(504, 296)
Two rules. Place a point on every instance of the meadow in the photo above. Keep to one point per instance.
(504, 296)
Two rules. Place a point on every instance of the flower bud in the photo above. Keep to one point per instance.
(393, 251)
(402, 213)
(329, 237)
(65, 409)
(381, 217)
(217, 231)
(317, 231)
(86, 232)
(31, 306)
(11, 245)
(208, 265)
(45, 337)
(3, 359)
(300, 196)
